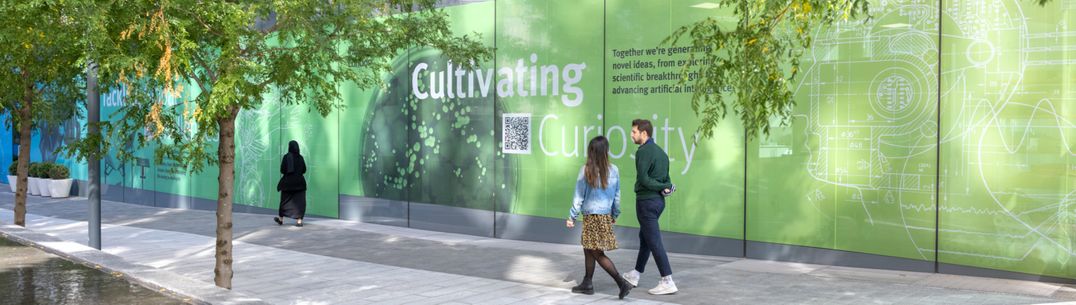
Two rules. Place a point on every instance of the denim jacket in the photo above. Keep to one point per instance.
(590, 200)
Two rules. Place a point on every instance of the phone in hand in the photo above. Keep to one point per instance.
(668, 192)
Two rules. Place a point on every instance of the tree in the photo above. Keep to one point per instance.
(234, 52)
(39, 74)
(760, 55)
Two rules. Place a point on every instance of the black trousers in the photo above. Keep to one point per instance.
(648, 212)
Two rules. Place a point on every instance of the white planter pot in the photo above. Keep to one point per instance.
(12, 181)
(60, 188)
(43, 187)
(32, 186)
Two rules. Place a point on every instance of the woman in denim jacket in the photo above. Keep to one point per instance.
(597, 198)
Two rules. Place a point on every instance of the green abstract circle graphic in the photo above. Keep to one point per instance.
(433, 150)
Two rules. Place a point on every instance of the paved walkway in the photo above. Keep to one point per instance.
(342, 262)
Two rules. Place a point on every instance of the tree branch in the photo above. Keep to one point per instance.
(204, 24)
(201, 62)
(777, 19)
(196, 81)
(264, 33)
(265, 82)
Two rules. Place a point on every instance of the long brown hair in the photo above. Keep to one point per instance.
(597, 169)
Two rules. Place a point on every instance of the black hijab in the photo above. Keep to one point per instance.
(289, 159)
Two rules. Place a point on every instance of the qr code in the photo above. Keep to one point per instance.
(516, 131)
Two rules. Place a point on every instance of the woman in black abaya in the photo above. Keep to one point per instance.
(292, 186)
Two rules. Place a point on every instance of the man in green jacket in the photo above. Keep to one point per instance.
(652, 184)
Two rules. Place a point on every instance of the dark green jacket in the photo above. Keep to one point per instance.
(651, 171)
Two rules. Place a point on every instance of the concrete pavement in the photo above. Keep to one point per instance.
(342, 262)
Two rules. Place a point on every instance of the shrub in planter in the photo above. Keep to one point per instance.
(60, 181)
(35, 172)
(43, 179)
(58, 172)
(12, 175)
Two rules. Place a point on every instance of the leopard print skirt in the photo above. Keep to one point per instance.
(598, 232)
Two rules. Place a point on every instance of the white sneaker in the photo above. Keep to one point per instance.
(666, 286)
(632, 277)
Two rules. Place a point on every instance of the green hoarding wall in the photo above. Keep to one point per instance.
(709, 174)
(956, 148)
(1008, 106)
(856, 168)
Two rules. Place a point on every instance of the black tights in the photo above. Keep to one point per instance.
(604, 261)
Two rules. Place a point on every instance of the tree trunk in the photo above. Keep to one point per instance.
(225, 186)
(25, 123)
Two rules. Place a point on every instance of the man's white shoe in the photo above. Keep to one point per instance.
(632, 277)
(666, 286)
